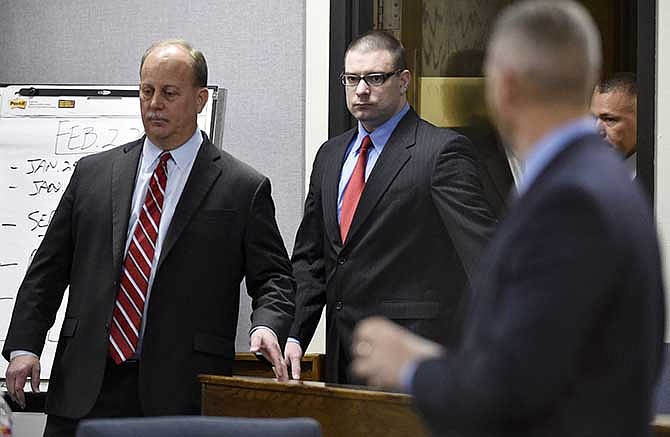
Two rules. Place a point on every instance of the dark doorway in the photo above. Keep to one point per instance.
(444, 45)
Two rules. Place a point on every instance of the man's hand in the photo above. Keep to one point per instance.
(20, 368)
(382, 350)
(264, 341)
(293, 355)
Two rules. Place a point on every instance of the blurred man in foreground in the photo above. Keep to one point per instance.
(565, 332)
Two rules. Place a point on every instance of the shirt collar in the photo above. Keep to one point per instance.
(631, 164)
(381, 135)
(182, 155)
(551, 145)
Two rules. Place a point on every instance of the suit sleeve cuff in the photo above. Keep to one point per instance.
(407, 376)
(18, 353)
(256, 328)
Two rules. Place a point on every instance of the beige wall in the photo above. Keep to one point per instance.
(317, 20)
(663, 139)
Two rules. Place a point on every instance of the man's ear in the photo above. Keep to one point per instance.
(203, 94)
(511, 89)
(405, 80)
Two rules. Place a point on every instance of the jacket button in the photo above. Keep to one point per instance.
(341, 261)
(338, 305)
(106, 327)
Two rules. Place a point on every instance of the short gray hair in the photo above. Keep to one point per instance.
(554, 44)
(198, 62)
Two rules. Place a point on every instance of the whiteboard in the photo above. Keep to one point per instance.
(41, 140)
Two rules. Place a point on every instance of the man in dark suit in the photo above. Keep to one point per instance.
(153, 239)
(410, 245)
(565, 332)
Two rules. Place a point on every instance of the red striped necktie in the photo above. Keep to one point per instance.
(352, 194)
(129, 306)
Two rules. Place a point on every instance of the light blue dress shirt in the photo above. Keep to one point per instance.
(551, 145)
(379, 137)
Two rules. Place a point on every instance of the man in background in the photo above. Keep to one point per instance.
(565, 332)
(614, 104)
(153, 239)
(395, 220)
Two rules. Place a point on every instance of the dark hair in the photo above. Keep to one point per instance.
(198, 62)
(623, 81)
(380, 40)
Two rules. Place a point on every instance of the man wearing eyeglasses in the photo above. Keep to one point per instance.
(395, 219)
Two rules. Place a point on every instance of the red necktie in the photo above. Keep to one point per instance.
(352, 193)
(129, 307)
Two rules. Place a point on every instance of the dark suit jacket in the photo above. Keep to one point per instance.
(496, 176)
(565, 336)
(223, 229)
(415, 239)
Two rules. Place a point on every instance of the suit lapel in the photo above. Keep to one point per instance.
(397, 152)
(330, 184)
(124, 173)
(203, 174)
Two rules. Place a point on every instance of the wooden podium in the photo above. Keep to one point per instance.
(341, 410)
(661, 426)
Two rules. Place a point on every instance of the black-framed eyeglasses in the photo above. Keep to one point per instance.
(372, 79)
